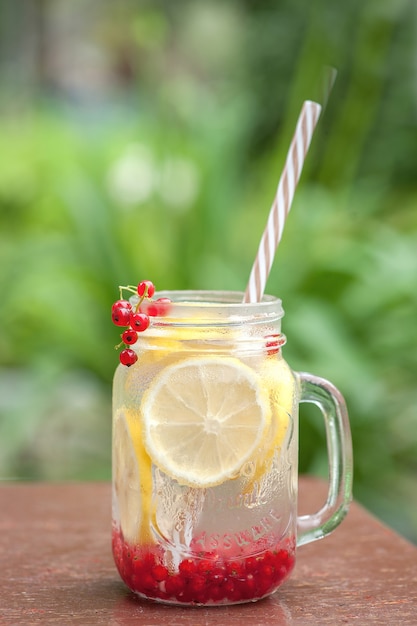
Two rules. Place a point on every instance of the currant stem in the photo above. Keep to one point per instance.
(139, 303)
(129, 288)
(133, 289)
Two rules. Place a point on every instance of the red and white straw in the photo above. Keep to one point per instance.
(290, 176)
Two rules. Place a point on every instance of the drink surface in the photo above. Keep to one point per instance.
(205, 452)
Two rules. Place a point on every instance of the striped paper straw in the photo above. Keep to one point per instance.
(290, 176)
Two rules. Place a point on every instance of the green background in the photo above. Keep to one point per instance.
(145, 140)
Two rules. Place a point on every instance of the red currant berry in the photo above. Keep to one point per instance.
(121, 316)
(129, 337)
(269, 558)
(197, 584)
(152, 310)
(264, 584)
(267, 571)
(159, 572)
(234, 569)
(128, 357)
(121, 304)
(139, 322)
(164, 305)
(159, 307)
(187, 567)
(201, 597)
(218, 575)
(251, 564)
(146, 289)
(148, 582)
(248, 587)
(174, 585)
(232, 590)
(217, 592)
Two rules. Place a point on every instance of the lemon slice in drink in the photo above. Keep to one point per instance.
(278, 378)
(203, 418)
(132, 475)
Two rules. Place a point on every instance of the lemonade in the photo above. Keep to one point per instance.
(203, 437)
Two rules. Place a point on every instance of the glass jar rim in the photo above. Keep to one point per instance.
(214, 307)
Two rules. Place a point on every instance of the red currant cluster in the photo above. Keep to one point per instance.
(136, 321)
(205, 579)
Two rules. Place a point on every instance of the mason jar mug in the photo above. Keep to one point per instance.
(205, 454)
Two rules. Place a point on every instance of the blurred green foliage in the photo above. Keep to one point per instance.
(146, 140)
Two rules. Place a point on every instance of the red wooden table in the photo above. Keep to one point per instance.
(56, 568)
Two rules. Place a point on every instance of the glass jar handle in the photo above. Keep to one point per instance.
(330, 401)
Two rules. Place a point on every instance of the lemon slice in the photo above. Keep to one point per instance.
(278, 378)
(132, 476)
(203, 418)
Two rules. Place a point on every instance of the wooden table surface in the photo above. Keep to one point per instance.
(56, 568)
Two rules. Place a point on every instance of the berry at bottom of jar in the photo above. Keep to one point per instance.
(209, 578)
